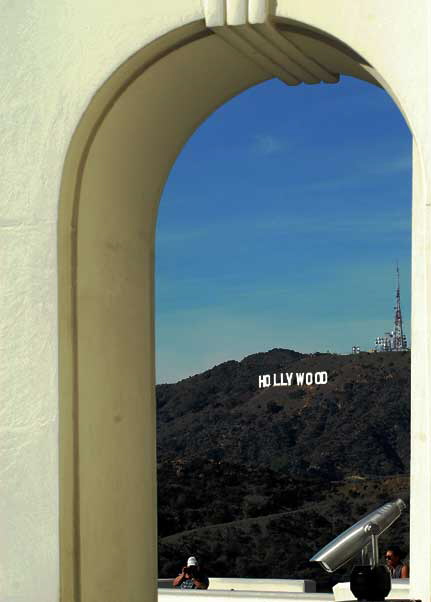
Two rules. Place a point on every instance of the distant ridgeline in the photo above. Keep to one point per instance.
(255, 478)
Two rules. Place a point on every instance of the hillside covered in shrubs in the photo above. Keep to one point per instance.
(255, 480)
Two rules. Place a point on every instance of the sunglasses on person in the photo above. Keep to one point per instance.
(389, 557)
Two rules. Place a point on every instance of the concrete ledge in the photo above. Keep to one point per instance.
(267, 585)
(256, 585)
(174, 595)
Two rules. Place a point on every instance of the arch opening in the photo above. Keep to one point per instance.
(296, 248)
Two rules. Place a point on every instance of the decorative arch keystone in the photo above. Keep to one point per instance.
(248, 27)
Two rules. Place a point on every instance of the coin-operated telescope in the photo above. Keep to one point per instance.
(369, 581)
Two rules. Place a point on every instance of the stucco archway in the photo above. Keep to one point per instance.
(115, 171)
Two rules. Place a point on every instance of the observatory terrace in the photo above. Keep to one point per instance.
(271, 590)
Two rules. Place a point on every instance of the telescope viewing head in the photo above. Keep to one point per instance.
(367, 582)
(351, 541)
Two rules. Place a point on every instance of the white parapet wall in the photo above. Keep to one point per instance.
(260, 585)
(176, 595)
(267, 585)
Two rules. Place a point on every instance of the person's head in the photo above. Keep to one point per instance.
(393, 556)
(192, 565)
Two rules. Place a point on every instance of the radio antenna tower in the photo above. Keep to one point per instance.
(400, 342)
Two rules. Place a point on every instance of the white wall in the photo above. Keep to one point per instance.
(54, 56)
(169, 595)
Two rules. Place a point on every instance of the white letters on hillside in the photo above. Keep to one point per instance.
(287, 379)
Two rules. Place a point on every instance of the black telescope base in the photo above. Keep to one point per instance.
(370, 583)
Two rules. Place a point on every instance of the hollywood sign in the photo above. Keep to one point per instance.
(287, 379)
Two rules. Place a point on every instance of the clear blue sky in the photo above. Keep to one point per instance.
(280, 226)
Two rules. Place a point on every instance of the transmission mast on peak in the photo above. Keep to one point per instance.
(400, 342)
(395, 340)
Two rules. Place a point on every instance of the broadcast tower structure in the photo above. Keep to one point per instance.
(395, 340)
(399, 338)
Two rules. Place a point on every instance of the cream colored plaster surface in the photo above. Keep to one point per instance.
(28, 412)
(395, 44)
(54, 57)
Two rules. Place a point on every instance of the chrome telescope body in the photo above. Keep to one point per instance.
(344, 547)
